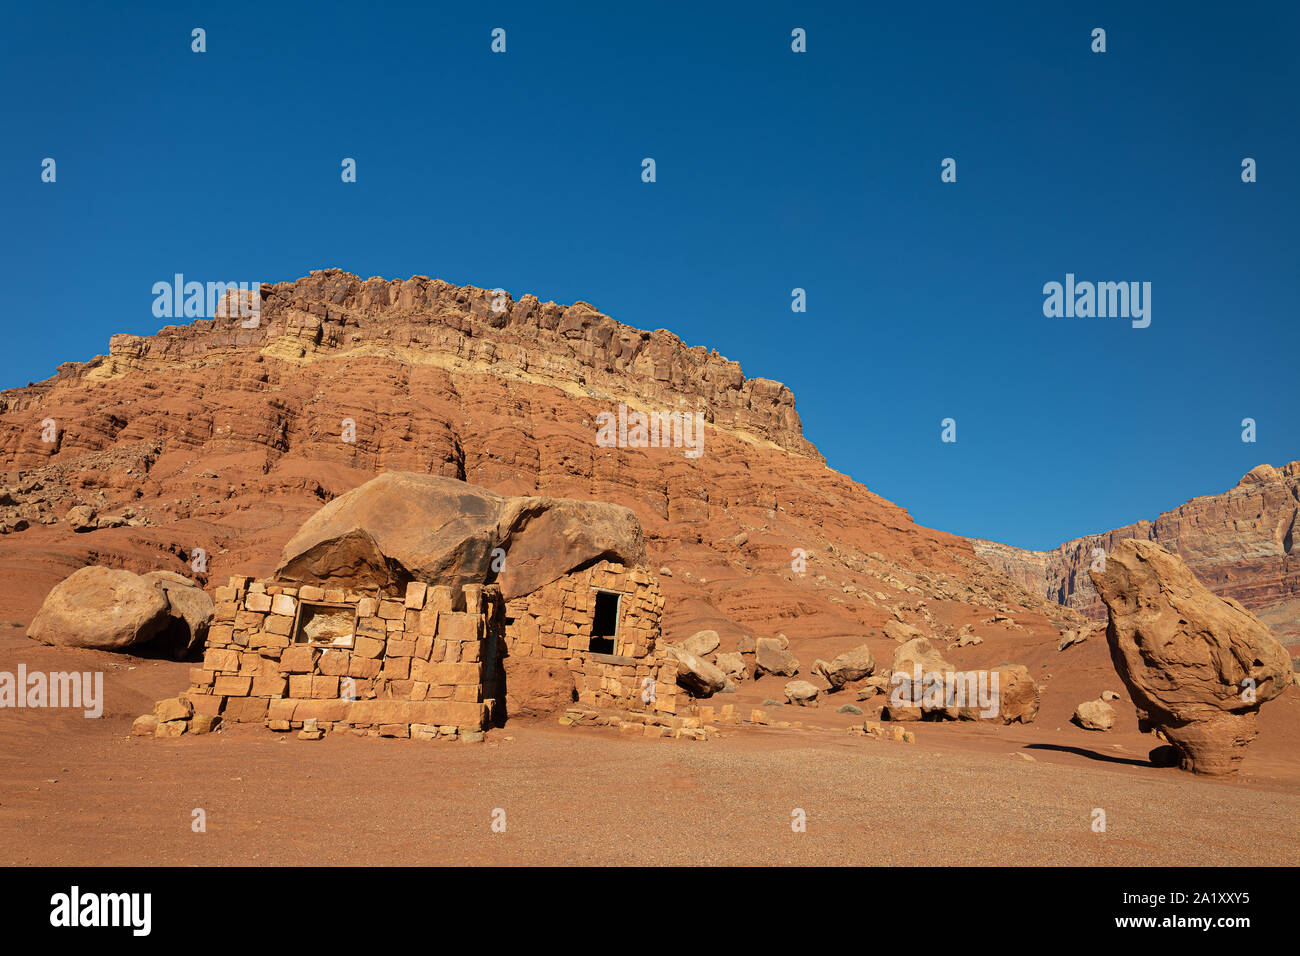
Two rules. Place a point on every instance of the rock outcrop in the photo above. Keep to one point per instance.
(110, 610)
(1200, 666)
(1240, 544)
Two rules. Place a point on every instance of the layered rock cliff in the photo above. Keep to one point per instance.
(215, 437)
(1240, 544)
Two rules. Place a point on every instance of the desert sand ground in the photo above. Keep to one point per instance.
(77, 791)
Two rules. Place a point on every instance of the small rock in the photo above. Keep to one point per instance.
(1094, 715)
(169, 728)
(802, 693)
(144, 726)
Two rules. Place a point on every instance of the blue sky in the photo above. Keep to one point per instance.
(775, 170)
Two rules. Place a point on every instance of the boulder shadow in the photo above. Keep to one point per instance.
(1094, 755)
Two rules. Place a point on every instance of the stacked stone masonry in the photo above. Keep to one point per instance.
(420, 665)
(556, 622)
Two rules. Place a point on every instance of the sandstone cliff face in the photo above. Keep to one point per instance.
(222, 438)
(1240, 544)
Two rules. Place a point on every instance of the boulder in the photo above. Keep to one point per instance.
(1017, 696)
(81, 518)
(401, 527)
(918, 651)
(898, 631)
(173, 708)
(1094, 715)
(191, 610)
(698, 677)
(745, 644)
(111, 610)
(103, 609)
(771, 658)
(732, 664)
(1199, 665)
(701, 643)
(802, 693)
(144, 726)
(922, 681)
(847, 667)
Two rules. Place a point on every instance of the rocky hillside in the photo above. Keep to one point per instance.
(217, 437)
(1241, 543)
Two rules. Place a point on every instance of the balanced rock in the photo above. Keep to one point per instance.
(403, 526)
(1199, 665)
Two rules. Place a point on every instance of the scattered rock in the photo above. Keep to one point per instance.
(81, 518)
(847, 667)
(802, 693)
(1094, 715)
(144, 725)
(898, 631)
(771, 658)
(103, 609)
(701, 643)
(204, 723)
(698, 677)
(849, 709)
(169, 728)
(732, 664)
(174, 708)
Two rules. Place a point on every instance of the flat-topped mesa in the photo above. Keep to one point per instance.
(575, 347)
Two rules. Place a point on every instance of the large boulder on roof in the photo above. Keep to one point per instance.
(402, 527)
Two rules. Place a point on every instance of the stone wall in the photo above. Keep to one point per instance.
(423, 664)
(555, 623)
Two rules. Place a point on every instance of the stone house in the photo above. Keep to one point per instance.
(422, 664)
(604, 622)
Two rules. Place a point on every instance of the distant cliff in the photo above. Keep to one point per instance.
(1240, 543)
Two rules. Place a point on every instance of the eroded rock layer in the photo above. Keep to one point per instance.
(1240, 544)
(203, 448)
